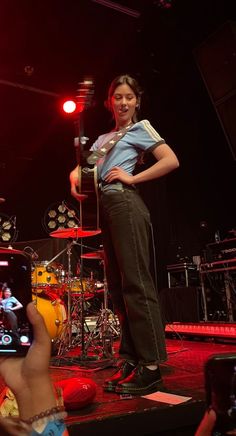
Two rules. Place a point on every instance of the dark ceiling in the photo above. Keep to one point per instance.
(61, 42)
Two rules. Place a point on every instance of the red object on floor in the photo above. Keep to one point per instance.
(77, 392)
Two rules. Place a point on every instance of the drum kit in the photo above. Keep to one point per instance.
(61, 299)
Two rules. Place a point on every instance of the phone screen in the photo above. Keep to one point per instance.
(15, 293)
(220, 382)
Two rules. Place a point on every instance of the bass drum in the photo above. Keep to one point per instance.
(54, 314)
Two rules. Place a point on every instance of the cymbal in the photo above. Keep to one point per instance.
(74, 233)
(7, 250)
(93, 255)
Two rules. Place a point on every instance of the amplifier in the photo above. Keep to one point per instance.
(225, 249)
(218, 266)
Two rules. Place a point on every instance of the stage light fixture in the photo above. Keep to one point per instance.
(71, 214)
(61, 219)
(52, 224)
(52, 213)
(59, 216)
(6, 237)
(7, 225)
(71, 223)
(69, 106)
(62, 208)
(8, 232)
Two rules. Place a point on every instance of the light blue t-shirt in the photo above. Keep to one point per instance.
(141, 137)
(9, 303)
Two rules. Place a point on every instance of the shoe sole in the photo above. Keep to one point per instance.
(150, 389)
(109, 388)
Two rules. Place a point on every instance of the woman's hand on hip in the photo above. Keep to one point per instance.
(117, 173)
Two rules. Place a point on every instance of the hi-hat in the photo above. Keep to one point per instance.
(93, 255)
(74, 233)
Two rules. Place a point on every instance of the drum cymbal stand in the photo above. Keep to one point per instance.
(80, 339)
(107, 326)
(66, 335)
(78, 306)
(75, 233)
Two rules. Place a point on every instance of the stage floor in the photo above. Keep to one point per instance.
(110, 414)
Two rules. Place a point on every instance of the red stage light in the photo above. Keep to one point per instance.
(69, 106)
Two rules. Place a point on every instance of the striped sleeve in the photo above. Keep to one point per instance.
(149, 137)
(151, 131)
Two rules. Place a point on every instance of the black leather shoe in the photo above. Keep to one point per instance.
(122, 372)
(142, 381)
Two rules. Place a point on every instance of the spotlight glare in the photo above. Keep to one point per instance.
(69, 106)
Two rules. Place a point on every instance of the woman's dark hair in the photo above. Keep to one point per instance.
(133, 84)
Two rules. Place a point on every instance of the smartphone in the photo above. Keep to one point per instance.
(220, 384)
(16, 334)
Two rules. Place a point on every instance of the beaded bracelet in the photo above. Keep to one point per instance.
(56, 412)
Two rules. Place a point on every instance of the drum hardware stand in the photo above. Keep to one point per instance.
(65, 338)
(65, 341)
(106, 326)
(81, 339)
(67, 331)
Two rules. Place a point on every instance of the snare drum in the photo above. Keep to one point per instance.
(54, 314)
(46, 274)
(88, 285)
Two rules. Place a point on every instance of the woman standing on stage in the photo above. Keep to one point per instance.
(126, 227)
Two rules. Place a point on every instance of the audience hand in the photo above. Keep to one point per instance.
(207, 424)
(28, 377)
